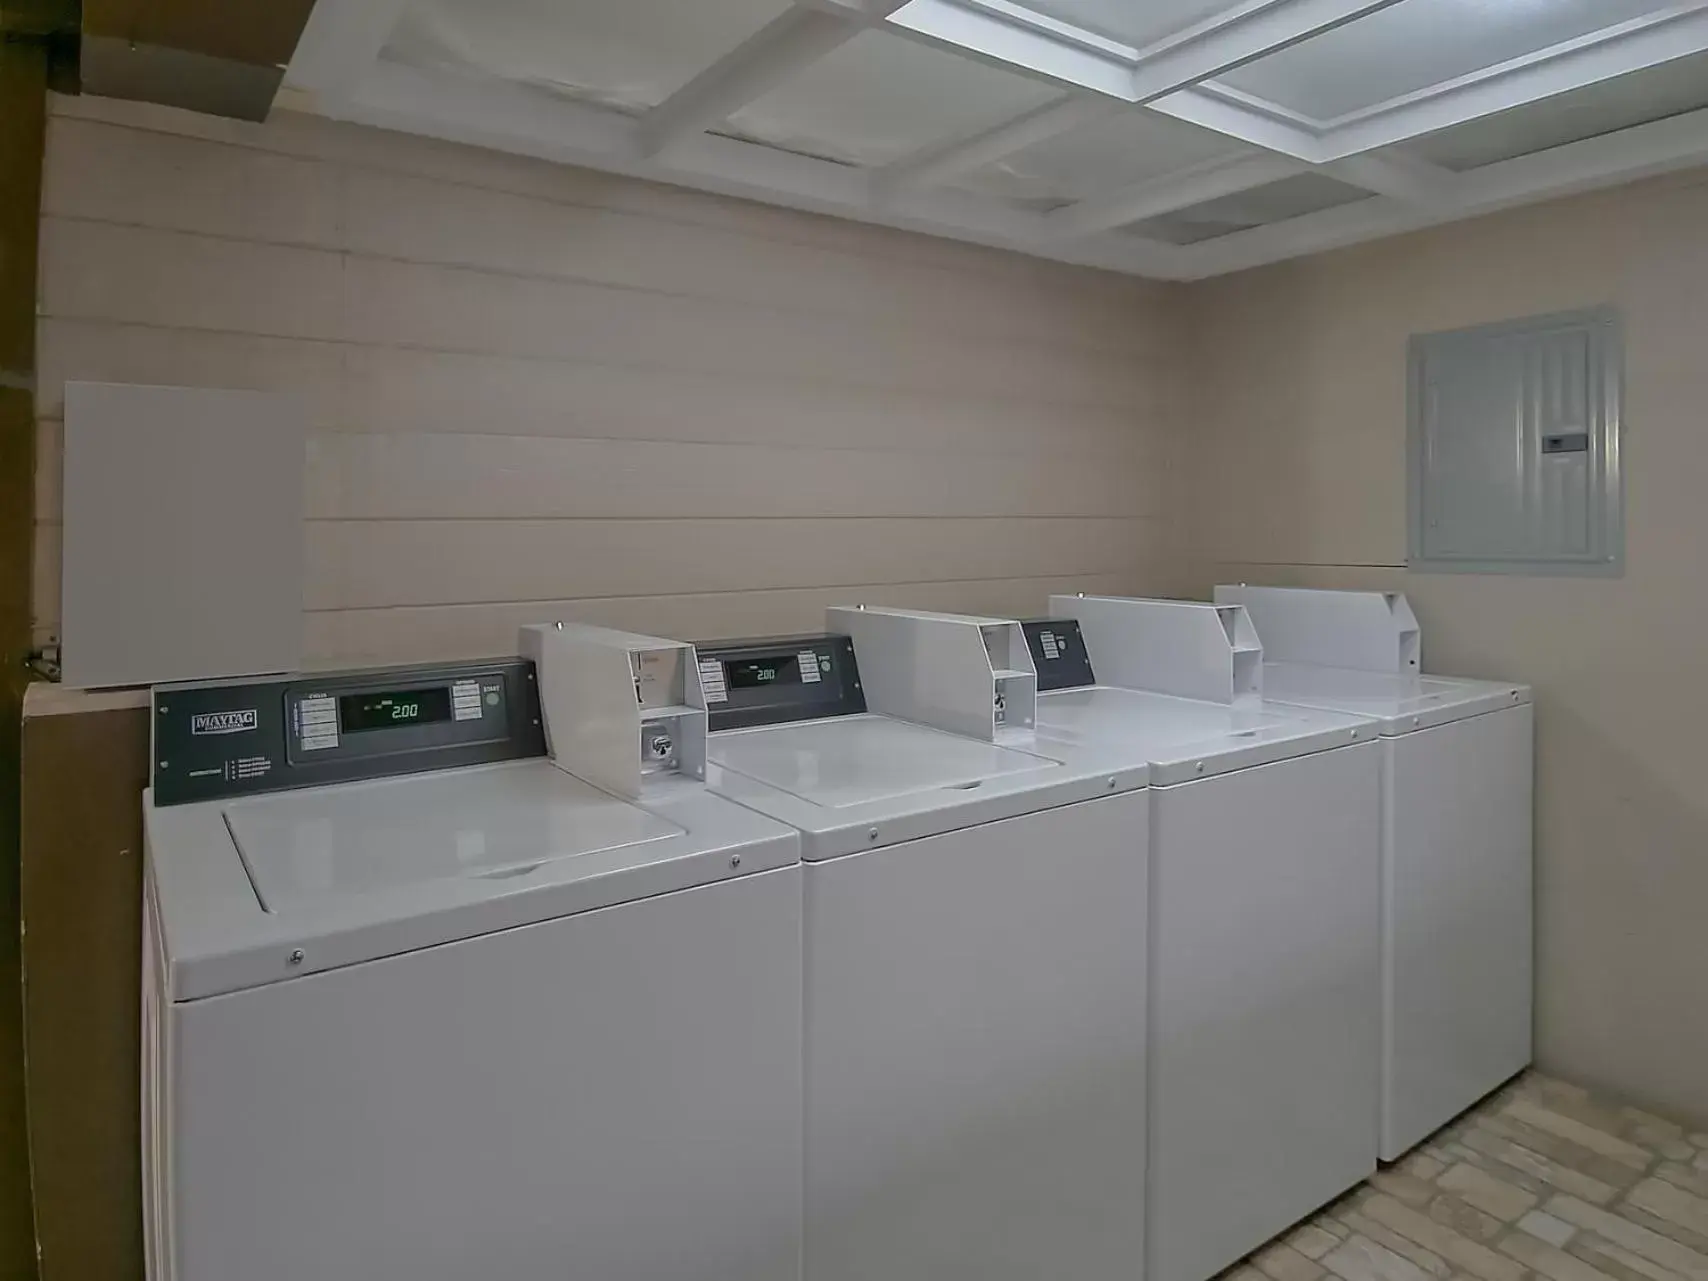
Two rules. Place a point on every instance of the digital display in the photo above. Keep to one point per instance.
(386, 709)
(757, 673)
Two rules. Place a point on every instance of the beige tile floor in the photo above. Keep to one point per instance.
(1543, 1182)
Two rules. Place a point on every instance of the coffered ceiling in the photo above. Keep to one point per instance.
(1168, 138)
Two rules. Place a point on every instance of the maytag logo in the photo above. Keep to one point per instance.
(223, 722)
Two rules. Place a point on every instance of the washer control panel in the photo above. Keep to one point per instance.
(349, 722)
(770, 682)
(232, 738)
(1059, 653)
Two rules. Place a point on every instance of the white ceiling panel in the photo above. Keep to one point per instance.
(1274, 202)
(966, 96)
(629, 55)
(1133, 22)
(1419, 43)
(1620, 103)
(880, 98)
(1116, 152)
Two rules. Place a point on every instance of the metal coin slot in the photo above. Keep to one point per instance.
(1576, 442)
(658, 748)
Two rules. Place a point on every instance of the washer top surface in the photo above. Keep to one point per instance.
(1185, 738)
(392, 834)
(352, 872)
(842, 779)
(1402, 703)
(857, 760)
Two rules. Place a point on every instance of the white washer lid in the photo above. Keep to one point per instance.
(353, 872)
(392, 834)
(857, 782)
(855, 760)
(1401, 702)
(1186, 738)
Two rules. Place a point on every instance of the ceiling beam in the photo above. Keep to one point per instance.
(1223, 114)
(1399, 176)
(947, 160)
(1241, 35)
(1028, 48)
(1403, 178)
(671, 143)
(1631, 46)
(1209, 48)
(1165, 195)
(1643, 151)
(513, 118)
(342, 41)
(791, 41)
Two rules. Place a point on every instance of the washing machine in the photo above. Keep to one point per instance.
(975, 957)
(1264, 1000)
(1456, 787)
(420, 1005)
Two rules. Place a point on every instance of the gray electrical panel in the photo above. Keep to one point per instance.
(1514, 450)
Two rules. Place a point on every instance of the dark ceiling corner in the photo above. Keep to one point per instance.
(211, 56)
(55, 23)
(256, 34)
(32, 19)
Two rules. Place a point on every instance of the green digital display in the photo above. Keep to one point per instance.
(754, 673)
(387, 709)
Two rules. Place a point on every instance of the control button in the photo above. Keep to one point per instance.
(315, 742)
(712, 681)
(328, 718)
(465, 700)
(492, 698)
(808, 660)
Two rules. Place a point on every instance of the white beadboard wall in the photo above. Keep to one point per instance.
(541, 392)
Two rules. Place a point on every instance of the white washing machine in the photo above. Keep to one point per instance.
(975, 922)
(1457, 780)
(1264, 926)
(421, 1006)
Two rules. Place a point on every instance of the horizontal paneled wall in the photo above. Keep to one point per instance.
(540, 392)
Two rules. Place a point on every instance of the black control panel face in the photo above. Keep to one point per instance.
(772, 682)
(1059, 654)
(234, 738)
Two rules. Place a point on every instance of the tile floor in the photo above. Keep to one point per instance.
(1543, 1182)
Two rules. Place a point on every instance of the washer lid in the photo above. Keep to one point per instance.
(271, 888)
(856, 782)
(1402, 703)
(1185, 738)
(301, 849)
(857, 760)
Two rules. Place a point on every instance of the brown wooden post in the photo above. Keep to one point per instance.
(23, 100)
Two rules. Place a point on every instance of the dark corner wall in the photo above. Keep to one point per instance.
(70, 838)
(23, 93)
